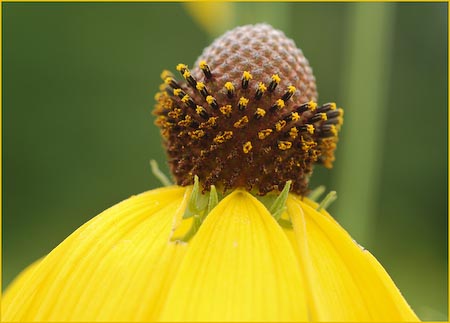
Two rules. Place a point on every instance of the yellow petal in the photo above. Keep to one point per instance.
(16, 285)
(345, 282)
(239, 266)
(118, 266)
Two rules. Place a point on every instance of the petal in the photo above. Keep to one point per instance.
(346, 283)
(118, 266)
(16, 285)
(239, 266)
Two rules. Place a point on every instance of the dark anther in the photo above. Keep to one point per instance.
(188, 77)
(181, 68)
(260, 91)
(243, 102)
(246, 77)
(172, 83)
(328, 131)
(273, 84)
(205, 69)
(202, 89)
(302, 108)
(326, 107)
(179, 93)
(202, 112)
(319, 117)
(230, 89)
(333, 114)
(289, 93)
(190, 103)
(293, 116)
(212, 102)
(258, 94)
(332, 121)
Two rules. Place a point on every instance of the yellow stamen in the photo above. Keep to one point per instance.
(262, 87)
(247, 147)
(279, 125)
(247, 76)
(186, 121)
(181, 67)
(196, 134)
(160, 120)
(205, 68)
(186, 74)
(295, 116)
(276, 78)
(226, 109)
(168, 79)
(200, 86)
(264, 133)
(280, 104)
(312, 105)
(185, 98)
(201, 111)
(229, 86)
(212, 121)
(221, 138)
(260, 113)
(333, 130)
(165, 74)
(284, 145)
(293, 133)
(241, 122)
(243, 102)
(175, 113)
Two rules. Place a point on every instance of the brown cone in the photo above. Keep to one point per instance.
(245, 116)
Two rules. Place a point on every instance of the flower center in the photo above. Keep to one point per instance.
(246, 116)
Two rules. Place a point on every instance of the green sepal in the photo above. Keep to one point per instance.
(213, 199)
(159, 174)
(197, 202)
(327, 200)
(279, 206)
(316, 193)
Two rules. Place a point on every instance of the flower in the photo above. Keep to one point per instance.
(257, 250)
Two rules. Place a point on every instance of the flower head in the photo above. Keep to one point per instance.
(246, 115)
(247, 122)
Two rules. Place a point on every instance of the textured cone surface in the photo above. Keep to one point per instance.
(245, 115)
(263, 51)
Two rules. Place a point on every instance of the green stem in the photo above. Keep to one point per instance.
(365, 101)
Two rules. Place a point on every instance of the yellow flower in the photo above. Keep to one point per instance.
(249, 125)
(240, 265)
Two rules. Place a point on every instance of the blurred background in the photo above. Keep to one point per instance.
(78, 134)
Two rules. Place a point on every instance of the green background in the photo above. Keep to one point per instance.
(78, 87)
